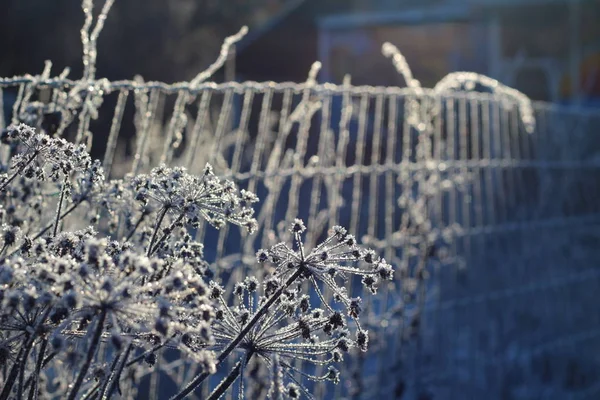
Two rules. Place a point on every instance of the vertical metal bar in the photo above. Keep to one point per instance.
(486, 104)
(465, 135)
(497, 156)
(113, 135)
(509, 136)
(390, 163)
(242, 132)
(278, 181)
(222, 125)
(142, 137)
(199, 125)
(374, 183)
(174, 126)
(317, 177)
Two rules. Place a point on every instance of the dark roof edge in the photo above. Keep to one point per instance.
(414, 15)
(256, 34)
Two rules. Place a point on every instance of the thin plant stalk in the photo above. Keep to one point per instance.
(33, 392)
(93, 392)
(116, 376)
(23, 366)
(21, 360)
(64, 215)
(145, 354)
(230, 379)
(3, 248)
(197, 381)
(59, 206)
(90, 355)
(99, 388)
(44, 363)
(137, 225)
(14, 371)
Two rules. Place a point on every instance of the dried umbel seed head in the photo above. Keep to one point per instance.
(336, 257)
(136, 300)
(58, 154)
(217, 201)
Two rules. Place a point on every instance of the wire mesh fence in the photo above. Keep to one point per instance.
(486, 204)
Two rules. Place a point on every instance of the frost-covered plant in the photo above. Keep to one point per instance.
(84, 311)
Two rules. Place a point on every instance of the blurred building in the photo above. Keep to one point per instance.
(538, 46)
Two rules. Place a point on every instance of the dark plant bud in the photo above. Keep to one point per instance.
(71, 300)
(362, 339)
(304, 304)
(333, 375)
(343, 345)
(98, 374)
(262, 256)
(298, 226)
(216, 292)
(336, 320)
(355, 307)
(370, 256)
(293, 391)
(251, 284)
(238, 289)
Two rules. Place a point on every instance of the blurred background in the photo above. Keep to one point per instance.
(537, 46)
(493, 226)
